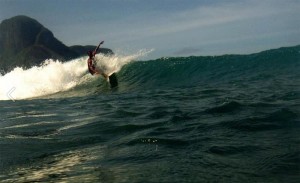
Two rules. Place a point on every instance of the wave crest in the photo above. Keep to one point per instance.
(54, 76)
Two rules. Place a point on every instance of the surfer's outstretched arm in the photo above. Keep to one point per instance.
(95, 51)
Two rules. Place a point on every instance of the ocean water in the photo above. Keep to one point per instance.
(231, 118)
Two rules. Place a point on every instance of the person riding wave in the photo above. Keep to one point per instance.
(91, 62)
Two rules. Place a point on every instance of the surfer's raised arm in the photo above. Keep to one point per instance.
(91, 64)
(95, 51)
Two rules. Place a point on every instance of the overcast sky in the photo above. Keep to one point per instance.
(170, 27)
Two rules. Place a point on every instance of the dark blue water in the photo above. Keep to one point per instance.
(232, 118)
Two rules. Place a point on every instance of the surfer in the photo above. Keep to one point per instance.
(91, 62)
(112, 79)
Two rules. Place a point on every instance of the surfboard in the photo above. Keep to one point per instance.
(113, 80)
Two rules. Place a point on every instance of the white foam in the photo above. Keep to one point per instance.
(55, 76)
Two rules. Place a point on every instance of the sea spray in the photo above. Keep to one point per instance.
(55, 76)
(111, 64)
(52, 76)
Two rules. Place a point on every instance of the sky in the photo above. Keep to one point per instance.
(168, 27)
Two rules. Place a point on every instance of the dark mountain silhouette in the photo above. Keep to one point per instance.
(25, 42)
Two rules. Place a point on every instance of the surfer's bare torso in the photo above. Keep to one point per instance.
(91, 62)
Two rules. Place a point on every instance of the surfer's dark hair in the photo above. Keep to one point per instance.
(90, 53)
